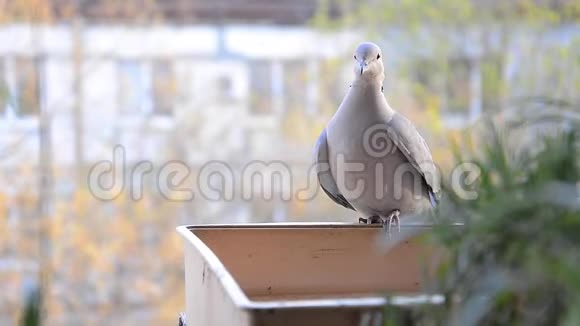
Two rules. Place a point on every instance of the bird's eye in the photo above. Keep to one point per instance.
(378, 56)
(355, 57)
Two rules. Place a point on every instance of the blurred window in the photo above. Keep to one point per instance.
(492, 83)
(458, 88)
(295, 85)
(331, 85)
(428, 78)
(23, 99)
(426, 73)
(134, 96)
(164, 87)
(261, 87)
(225, 89)
(27, 86)
(4, 90)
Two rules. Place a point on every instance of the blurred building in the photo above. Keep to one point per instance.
(173, 81)
(226, 84)
(287, 12)
(229, 80)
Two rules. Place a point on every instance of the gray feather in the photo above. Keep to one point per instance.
(323, 173)
(406, 137)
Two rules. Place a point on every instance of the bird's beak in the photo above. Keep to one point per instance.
(363, 66)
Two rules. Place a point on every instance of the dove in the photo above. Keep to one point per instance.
(370, 158)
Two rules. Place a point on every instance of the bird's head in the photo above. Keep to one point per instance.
(369, 63)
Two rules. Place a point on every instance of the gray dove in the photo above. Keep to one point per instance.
(370, 158)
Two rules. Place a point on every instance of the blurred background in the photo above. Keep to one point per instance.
(228, 80)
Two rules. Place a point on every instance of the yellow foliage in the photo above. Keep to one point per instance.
(433, 107)
(81, 204)
(25, 10)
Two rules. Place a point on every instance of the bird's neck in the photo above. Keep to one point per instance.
(369, 81)
(373, 90)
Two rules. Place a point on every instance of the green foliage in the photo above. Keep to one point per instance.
(415, 13)
(31, 315)
(430, 33)
(516, 259)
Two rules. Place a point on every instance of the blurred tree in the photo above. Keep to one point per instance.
(465, 55)
(514, 261)
(448, 21)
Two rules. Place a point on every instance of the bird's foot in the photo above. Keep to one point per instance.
(371, 220)
(390, 219)
(375, 219)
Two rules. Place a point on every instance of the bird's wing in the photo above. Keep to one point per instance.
(408, 140)
(325, 178)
